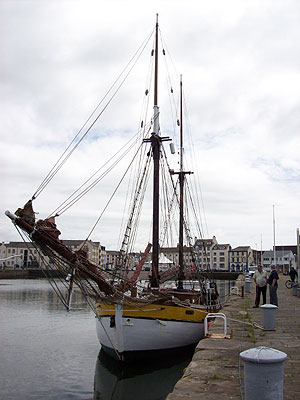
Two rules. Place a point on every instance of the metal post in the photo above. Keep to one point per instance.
(263, 373)
(298, 254)
(261, 253)
(247, 284)
(274, 249)
(269, 316)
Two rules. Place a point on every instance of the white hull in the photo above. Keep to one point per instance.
(131, 334)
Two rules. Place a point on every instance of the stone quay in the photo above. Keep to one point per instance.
(217, 371)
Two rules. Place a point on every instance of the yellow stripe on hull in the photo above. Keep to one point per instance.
(153, 311)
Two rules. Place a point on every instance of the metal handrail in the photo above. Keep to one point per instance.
(215, 315)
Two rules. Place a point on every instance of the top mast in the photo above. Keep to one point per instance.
(181, 194)
(156, 143)
(181, 174)
(156, 65)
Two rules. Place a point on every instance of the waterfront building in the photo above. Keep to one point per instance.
(19, 255)
(172, 254)
(92, 249)
(240, 258)
(211, 254)
(208, 252)
(285, 260)
(113, 257)
(257, 256)
(24, 255)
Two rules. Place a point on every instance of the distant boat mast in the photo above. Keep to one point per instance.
(298, 253)
(274, 248)
(261, 252)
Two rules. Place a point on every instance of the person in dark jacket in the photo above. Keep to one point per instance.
(293, 274)
(273, 285)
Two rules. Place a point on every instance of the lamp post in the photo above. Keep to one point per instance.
(298, 254)
(261, 252)
(274, 249)
(256, 254)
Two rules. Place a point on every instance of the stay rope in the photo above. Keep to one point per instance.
(89, 184)
(74, 143)
(112, 195)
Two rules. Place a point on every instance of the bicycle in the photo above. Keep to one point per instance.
(290, 284)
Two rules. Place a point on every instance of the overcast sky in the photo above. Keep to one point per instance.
(241, 66)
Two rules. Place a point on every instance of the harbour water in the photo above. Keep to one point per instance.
(49, 353)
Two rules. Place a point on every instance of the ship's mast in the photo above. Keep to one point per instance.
(155, 141)
(156, 68)
(181, 186)
(181, 174)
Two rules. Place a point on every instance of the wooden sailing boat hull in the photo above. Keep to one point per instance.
(148, 330)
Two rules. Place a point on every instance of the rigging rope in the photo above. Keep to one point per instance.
(137, 204)
(197, 187)
(112, 196)
(48, 276)
(173, 106)
(167, 207)
(77, 194)
(69, 150)
(145, 130)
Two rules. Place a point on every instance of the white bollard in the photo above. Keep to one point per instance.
(263, 373)
(269, 316)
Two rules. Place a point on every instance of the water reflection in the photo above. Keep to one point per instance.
(35, 292)
(152, 380)
(46, 352)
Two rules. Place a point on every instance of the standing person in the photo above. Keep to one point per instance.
(273, 285)
(293, 274)
(260, 279)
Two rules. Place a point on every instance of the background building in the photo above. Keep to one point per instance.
(22, 255)
(212, 254)
(285, 260)
(209, 253)
(240, 258)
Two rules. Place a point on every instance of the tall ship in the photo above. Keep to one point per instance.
(134, 318)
